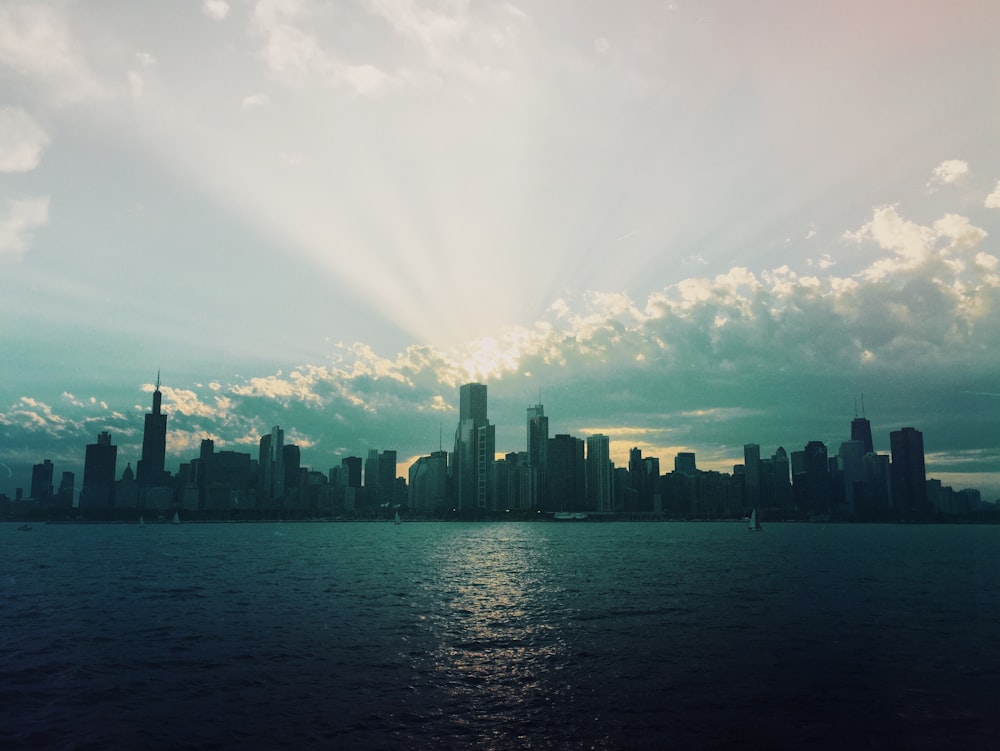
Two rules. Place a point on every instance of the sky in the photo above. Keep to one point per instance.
(686, 225)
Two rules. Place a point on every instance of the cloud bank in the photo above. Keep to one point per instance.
(671, 372)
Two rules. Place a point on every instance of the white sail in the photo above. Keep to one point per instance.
(177, 518)
(397, 519)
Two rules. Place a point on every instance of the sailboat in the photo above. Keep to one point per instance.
(177, 518)
(397, 520)
(141, 522)
(754, 525)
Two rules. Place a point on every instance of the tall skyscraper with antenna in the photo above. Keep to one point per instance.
(150, 468)
(861, 429)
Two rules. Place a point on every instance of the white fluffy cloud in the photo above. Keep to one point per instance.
(993, 199)
(947, 173)
(22, 140)
(17, 220)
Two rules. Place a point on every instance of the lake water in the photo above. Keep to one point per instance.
(569, 635)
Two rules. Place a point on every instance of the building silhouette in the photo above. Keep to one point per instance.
(908, 478)
(599, 469)
(861, 430)
(428, 482)
(41, 482)
(150, 468)
(566, 474)
(271, 468)
(751, 464)
(64, 498)
(782, 480)
(538, 446)
(99, 473)
(475, 448)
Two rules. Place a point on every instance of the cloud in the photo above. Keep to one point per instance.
(217, 10)
(22, 140)
(256, 100)
(947, 173)
(145, 59)
(17, 220)
(993, 199)
(36, 41)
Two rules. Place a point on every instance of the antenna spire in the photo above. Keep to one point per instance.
(157, 379)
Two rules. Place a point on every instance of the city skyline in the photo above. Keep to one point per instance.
(689, 226)
(550, 468)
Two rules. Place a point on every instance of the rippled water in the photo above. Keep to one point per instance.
(545, 635)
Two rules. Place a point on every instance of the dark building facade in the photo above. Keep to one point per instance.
(150, 469)
(566, 474)
(475, 448)
(41, 482)
(908, 477)
(99, 473)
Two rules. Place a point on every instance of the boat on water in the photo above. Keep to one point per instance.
(563, 516)
(397, 520)
(141, 522)
(24, 528)
(177, 518)
(754, 523)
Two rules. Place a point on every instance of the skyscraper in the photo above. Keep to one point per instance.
(598, 470)
(271, 467)
(566, 474)
(472, 403)
(751, 462)
(99, 473)
(41, 482)
(475, 446)
(149, 470)
(861, 430)
(850, 462)
(782, 482)
(538, 448)
(908, 477)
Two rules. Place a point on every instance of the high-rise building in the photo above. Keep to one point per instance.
(475, 447)
(64, 497)
(566, 474)
(782, 481)
(387, 477)
(751, 463)
(99, 473)
(150, 469)
(684, 463)
(271, 468)
(908, 477)
(817, 496)
(850, 463)
(635, 491)
(538, 436)
(472, 403)
(350, 471)
(428, 488)
(538, 448)
(861, 430)
(598, 473)
(42, 476)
